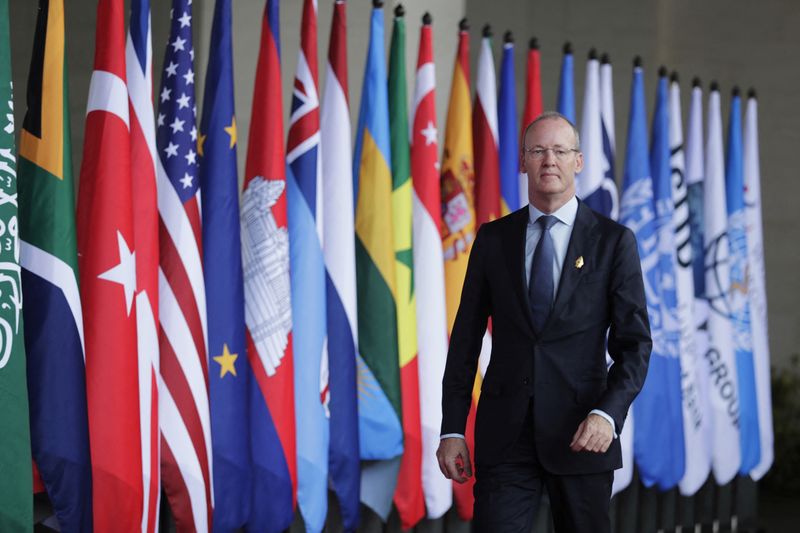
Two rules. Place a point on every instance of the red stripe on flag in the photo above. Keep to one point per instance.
(487, 168)
(192, 208)
(178, 279)
(266, 157)
(155, 485)
(278, 392)
(408, 495)
(533, 94)
(305, 127)
(337, 48)
(179, 389)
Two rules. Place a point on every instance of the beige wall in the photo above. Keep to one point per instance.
(732, 41)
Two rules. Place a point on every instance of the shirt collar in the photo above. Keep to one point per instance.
(565, 214)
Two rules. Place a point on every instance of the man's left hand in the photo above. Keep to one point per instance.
(594, 435)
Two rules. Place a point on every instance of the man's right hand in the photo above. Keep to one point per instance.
(453, 457)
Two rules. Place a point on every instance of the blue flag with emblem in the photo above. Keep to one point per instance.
(738, 302)
(229, 374)
(652, 453)
(664, 389)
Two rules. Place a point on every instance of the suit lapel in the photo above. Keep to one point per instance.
(581, 245)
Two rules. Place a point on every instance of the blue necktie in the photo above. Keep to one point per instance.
(540, 285)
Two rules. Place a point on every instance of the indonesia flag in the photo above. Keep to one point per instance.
(429, 270)
(139, 64)
(533, 105)
(268, 306)
(107, 263)
(183, 400)
(485, 132)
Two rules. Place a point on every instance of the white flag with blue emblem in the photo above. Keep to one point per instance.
(695, 395)
(757, 286)
(721, 366)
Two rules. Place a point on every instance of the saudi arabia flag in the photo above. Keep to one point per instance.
(16, 502)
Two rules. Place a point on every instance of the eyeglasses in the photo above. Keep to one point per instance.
(559, 152)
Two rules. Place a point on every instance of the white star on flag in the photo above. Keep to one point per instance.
(429, 133)
(178, 44)
(172, 69)
(185, 20)
(193, 133)
(186, 180)
(189, 77)
(191, 157)
(165, 94)
(161, 119)
(171, 150)
(177, 125)
(123, 273)
(183, 101)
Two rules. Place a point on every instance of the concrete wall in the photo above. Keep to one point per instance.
(731, 41)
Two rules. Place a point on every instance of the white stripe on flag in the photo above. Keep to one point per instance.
(173, 215)
(338, 212)
(180, 444)
(432, 338)
(486, 90)
(60, 274)
(177, 333)
(591, 177)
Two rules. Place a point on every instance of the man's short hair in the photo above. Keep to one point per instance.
(552, 115)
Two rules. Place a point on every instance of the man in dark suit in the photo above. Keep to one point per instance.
(557, 280)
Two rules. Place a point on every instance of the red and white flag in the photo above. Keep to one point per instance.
(185, 421)
(107, 263)
(485, 135)
(139, 70)
(429, 274)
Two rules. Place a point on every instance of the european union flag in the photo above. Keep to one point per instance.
(229, 371)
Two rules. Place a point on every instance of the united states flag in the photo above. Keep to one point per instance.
(183, 398)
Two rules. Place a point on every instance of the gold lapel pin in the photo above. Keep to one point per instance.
(579, 262)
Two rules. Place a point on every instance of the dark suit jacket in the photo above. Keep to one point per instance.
(563, 369)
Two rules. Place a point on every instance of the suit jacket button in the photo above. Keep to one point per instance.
(525, 381)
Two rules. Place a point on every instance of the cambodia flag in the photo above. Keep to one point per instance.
(268, 307)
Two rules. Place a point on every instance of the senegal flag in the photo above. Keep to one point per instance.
(380, 431)
(408, 496)
(16, 487)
